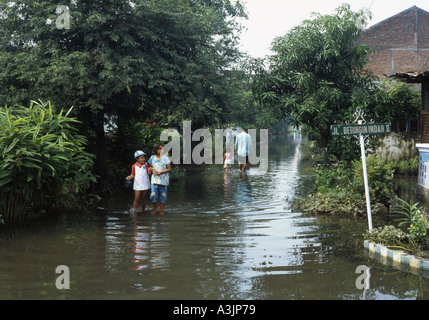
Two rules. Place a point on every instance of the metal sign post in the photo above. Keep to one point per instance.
(362, 131)
(365, 179)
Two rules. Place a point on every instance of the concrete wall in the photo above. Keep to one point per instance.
(397, 146)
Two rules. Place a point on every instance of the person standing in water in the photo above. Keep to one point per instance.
(140, 172)
(243, 143)
(227, 161)
(161, 166)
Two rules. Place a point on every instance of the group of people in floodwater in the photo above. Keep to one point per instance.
(154, 175)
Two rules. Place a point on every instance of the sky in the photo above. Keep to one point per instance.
(272, 18)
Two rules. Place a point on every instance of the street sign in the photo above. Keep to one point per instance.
(360, 130)
(357, 129)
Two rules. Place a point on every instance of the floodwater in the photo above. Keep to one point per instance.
(224, 236)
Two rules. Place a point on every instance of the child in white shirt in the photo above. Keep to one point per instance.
(141, 172)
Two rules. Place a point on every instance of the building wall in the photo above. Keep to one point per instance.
(397, 147)
(401, 43)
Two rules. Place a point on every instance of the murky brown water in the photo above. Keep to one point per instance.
(224, 236)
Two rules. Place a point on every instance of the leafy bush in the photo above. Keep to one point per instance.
(336, 202)
(415, 217)
(333, 177)
(380, 178)
(406, 167)
(340, 188)
(332, 203)
(43, 162)
(387, 235)
(394, 238)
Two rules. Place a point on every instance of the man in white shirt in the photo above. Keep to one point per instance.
(243, 144)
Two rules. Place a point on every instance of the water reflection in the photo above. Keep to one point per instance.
(242, 194)
(227, 189)
(154, 241)
(150, 247)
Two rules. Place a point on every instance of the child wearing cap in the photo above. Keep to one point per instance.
(140, 172)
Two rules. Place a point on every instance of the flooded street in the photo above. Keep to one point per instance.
(224, 236)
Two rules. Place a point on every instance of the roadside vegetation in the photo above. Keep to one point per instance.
(339, 187)
(411, 234)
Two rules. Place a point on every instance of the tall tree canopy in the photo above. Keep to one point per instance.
(315, 73)
(164, 60)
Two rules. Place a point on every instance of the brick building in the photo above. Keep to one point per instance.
(401, 45)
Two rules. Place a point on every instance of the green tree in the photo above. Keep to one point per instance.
(162, 60)
(315, 72)
(396, 102)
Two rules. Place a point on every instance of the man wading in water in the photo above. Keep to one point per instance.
(242, 145)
